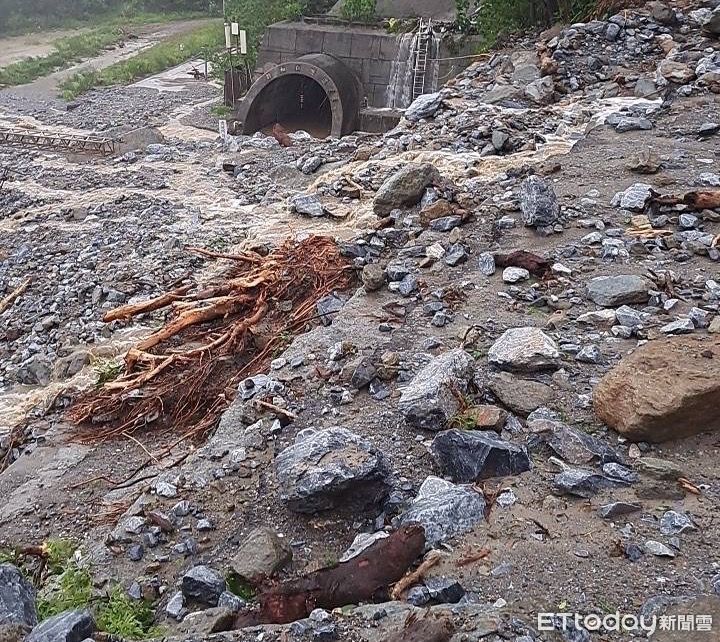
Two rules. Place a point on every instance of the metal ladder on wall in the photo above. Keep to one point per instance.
(424, 37)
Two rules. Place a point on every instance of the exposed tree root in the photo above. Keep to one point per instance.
(185, 374)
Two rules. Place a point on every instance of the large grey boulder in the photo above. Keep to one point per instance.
(70, 626)
(524, 350)
(467, 456)
(424, 106)
(430, 400)
(17, 598)
(612, 291)
(203, 584)
(331, 468)
(538, 202)
(405, 187)
(444, 510)
(261, 554)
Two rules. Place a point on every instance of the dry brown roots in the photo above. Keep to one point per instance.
(184, 375)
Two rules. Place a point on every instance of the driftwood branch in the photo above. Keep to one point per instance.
(416, 576)
(133, 309)
(10, 298)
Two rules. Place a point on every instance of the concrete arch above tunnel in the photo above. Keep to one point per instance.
(316, 92)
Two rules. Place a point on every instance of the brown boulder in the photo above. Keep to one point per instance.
(666, 389)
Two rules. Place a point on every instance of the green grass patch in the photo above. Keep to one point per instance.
(221, 111)
(166, 54)
(126, 618)
(67, 52)
(71, 590)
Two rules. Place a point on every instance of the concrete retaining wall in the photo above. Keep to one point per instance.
(370, 53)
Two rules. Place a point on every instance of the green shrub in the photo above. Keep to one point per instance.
(495, 19)
(361, 10)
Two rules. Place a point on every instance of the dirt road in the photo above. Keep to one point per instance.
(46, 88)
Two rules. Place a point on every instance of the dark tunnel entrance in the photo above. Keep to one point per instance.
(296, 102)
(316, 92)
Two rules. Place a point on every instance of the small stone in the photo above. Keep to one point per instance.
(69, 626)
(611, 291)
(405, 187)
(203, 584)
(617, 509)
(135, 525)
(307, 205)
(674, 523)
(629, 124)
(629, 317)
(633, 552)
(331, 468)
(446, 223)
(136, 552)
(467, 456)
(658, 549)
(580, 482)
(363, 372)
(175, 608)
(590, 354)
(444, 590)
(424, 106)
(635, 197)
(538, 202)
(444, 510)
(487, 263)
(429, 401)
(515, 274)
(618, 472)
(520, 395)
(231, 602)
(681, 326)
(166, 490)
(17, 598)
(524, 350)
(261, 554)
(373, 277)
(456, 255)
(328, 306)
(699, 317)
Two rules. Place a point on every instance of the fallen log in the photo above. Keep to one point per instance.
(425, 629)
(361, 579)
